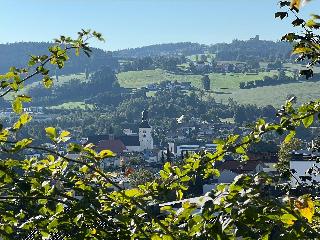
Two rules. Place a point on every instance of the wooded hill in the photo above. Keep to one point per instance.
(17, 54)
(183, 48)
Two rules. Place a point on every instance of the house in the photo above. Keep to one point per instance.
(191, 148)
(266, 152)
(247, 167)
(230, 169)
(269, 159)
(188, 148)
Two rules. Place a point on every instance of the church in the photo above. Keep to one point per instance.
(141, 141)
(129, 142)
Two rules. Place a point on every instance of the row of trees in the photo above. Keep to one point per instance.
(281, 78)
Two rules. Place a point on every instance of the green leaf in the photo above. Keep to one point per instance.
(179, 194)
(289, 136)
(167, 237)
(64, 136)
(105, 154)
(47, 81)
(51, 133)
(22, 144)
(307, 122)
(310, 23)
(300, 50)
(24, 98)
(84, 169)
(219, 141)
(8, 229)
(185, 179)
(156, 237)
(133, 192)
(196, 164)
(24, 119)
(45, 234)
(166, 167)
(53, 224)
(240, 150)
(59, 208)
(164, 175)
(73, 147)
(221, 187)
(17, 105)
(288, 219)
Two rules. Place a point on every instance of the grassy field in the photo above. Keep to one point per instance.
(138, 79)
(273, 95)
(232, 80)
(63, 79)
(227, 86)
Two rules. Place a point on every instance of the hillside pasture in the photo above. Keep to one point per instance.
(272, 95)
(73, 105)
(225, 86)
(138, 79)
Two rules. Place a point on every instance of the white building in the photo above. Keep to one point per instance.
(192, 148)
(145, 133)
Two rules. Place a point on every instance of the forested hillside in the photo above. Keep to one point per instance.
(253, 49)
(17, 54)
(237, 50)
(184, 48)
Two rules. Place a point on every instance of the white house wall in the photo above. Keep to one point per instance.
(133, 149)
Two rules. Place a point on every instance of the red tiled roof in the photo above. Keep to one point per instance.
(115, 146)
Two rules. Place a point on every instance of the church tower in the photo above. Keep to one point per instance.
(145, 133)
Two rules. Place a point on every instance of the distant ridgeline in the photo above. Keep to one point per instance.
(183, 48)
(253, 49)
(17, 54)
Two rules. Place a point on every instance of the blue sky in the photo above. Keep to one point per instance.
(132, 23)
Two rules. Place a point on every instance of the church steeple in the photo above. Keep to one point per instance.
(145, 114)
(145, 119)
(145, 132)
